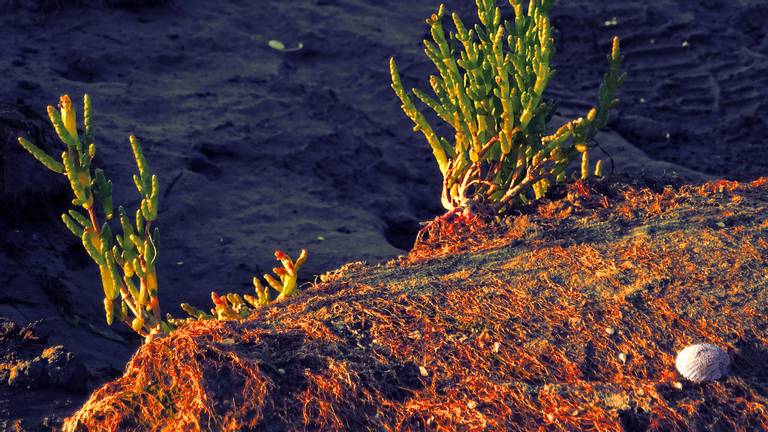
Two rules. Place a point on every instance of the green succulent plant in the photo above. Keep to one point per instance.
(126, 261)
(489, 88)
(236, 306)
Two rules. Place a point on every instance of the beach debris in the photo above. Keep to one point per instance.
(611, 22)
(280, 46)
(623, 357)
(610, 331)
(702, 362)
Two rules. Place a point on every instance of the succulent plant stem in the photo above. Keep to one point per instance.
(489, 88)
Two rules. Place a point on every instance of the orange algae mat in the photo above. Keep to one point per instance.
(567, 316)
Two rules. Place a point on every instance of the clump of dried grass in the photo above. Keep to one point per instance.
(567, 319)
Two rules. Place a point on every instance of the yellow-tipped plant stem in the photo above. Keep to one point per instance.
(90, 185)
(489, 89)
(233, 306)
(127, 261)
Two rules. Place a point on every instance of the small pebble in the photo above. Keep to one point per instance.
(623, 357)
(610, 330)
(496, 347)
(423, 371)
(471, 404)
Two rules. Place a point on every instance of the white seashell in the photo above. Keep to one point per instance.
(702, 362)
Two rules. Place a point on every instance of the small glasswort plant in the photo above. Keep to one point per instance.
(489, 89)
(235, 306)
(127, 261)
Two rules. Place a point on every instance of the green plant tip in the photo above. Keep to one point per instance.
(489, 89)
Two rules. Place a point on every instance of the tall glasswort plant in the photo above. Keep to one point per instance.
(489, 88)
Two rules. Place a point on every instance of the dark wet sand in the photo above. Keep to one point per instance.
(258, 149)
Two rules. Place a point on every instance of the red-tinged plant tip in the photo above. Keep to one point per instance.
(216, 298)
(235, 306)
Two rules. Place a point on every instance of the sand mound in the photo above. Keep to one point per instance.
(566, 318)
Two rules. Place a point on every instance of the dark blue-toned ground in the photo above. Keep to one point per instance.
(258, 149)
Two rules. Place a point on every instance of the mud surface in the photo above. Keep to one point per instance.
(258, 149)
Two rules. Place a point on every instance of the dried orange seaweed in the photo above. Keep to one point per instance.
(543, 323)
